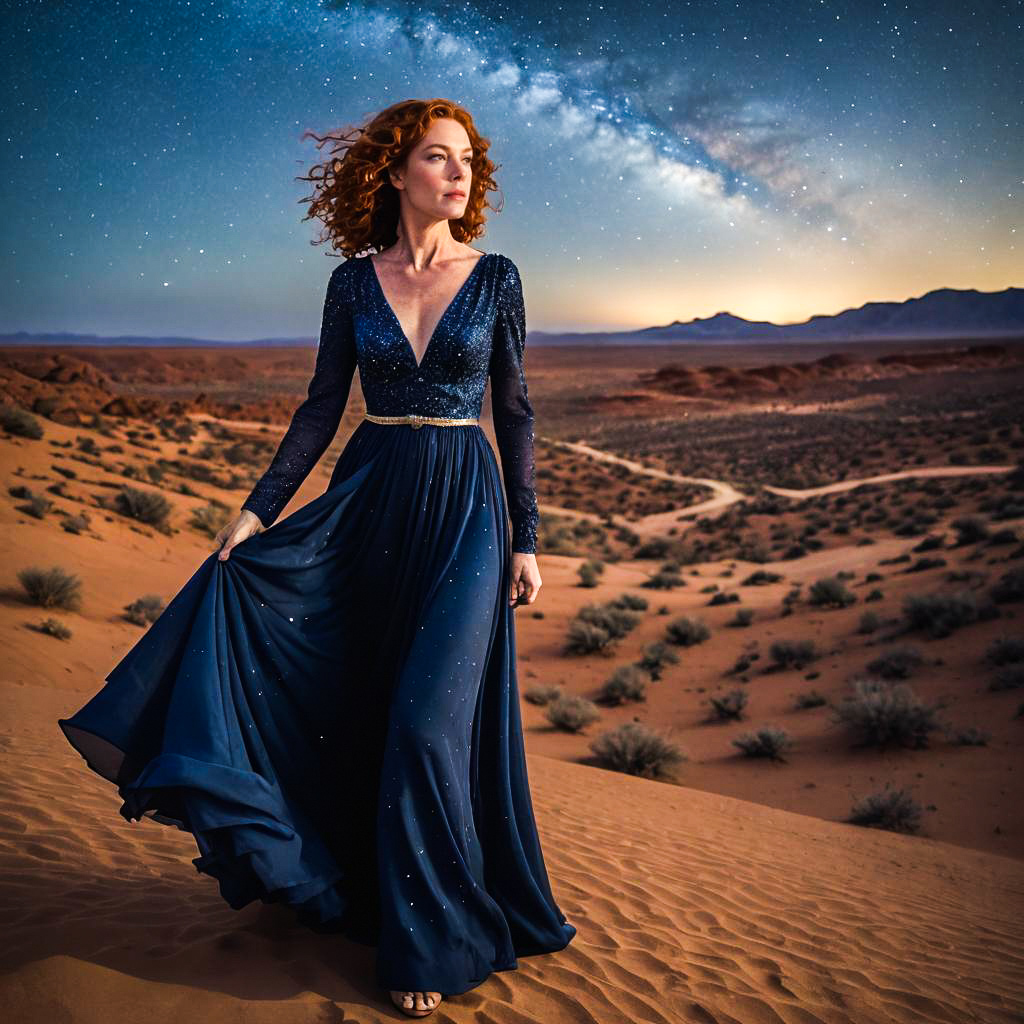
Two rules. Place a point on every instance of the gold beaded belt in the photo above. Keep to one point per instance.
(417, 421)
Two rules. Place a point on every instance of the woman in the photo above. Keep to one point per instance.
(330, 703)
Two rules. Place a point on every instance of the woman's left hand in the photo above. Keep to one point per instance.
(526, 581)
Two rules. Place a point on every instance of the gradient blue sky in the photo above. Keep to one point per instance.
(658, 161)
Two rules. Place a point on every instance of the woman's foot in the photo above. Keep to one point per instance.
(416, 1004)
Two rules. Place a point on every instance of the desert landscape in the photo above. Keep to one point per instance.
(773, 685)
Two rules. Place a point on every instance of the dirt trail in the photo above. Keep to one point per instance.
(725, 494)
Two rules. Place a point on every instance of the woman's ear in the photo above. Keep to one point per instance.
(395, 176)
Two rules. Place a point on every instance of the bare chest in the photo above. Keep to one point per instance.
(419, 300)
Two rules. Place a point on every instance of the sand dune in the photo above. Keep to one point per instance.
(690, 907)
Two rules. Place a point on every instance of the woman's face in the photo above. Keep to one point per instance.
(441, 164)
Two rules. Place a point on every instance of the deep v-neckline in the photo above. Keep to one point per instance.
(398, 323)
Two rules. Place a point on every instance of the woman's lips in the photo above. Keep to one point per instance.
(455, 195)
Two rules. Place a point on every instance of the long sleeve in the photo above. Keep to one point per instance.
(315, 422)
(512, 412)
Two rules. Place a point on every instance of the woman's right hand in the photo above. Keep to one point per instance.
(245, 524)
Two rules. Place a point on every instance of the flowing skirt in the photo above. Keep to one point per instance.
(333, 713)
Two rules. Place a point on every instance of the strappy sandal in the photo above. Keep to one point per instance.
(410, 1012)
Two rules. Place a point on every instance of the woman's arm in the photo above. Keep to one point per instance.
(512, 411)
(315, 422)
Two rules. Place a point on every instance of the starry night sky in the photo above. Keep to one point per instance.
(659, 161)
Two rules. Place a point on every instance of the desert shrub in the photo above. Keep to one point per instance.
(1002, 537)
(729, 705)
(37, 506)
(743, 662)
(972, 736)
(791, 599)
(1009, 588)
(596, 627)
(874, 595)
(55, 628)
(753, 550)
(208, 519)
(930, 543)
(149, 507)
(970, 530)
(656, 547)
(588, 572)
(869, 622)
(586, 638)
(20, 422)
(179, 430)
(760, 577)
(1009, 678)
(1005, 650)
(572, 713)
(880, 713)
(830, 592)
(655, 657)
(144, 610)
(664, 579)
(558, 540)
(767, 741)
(923, 564)
(686, 631)
(52, 588)
(894, 810)
(896, 662)
(723, 598)
(611, 618)
(743, 617)
(940, 614)
(245, 453)
(543, 693)
(636, 749)
(632, 602)
(76, 523)
(628, 683)
(809, 700)
(794, 653)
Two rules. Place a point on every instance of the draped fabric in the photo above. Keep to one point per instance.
(333, 711)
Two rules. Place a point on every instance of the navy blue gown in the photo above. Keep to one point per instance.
(333, 711)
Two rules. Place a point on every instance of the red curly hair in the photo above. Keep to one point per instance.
(353, 194)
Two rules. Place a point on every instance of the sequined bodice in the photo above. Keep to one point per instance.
(481, 335)
(450, 379)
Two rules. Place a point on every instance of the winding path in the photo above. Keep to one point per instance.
(724, 494)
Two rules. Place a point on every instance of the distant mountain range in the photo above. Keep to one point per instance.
(942, 313)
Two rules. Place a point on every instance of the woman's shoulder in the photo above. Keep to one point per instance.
(507, 273)
(505, 269)
(346, 265)
(344, 273)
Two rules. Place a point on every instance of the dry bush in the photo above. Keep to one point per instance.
(637, 750)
